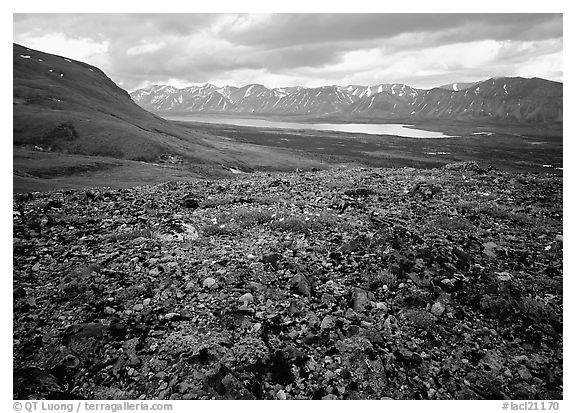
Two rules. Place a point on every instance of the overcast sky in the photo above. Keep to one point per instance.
(421, 50)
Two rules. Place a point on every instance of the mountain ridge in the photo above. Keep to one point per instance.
(504, 99)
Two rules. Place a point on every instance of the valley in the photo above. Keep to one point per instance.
(71, 119)
(521, 149)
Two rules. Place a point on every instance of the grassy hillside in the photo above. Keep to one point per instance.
(70, 106)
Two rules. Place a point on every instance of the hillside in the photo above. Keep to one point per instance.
(351, 283)
(64, 108)
(503, 100)
(70, 106)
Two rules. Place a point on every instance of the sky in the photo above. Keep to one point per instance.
(421, 50)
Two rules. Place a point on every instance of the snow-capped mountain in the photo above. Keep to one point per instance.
(497, 99)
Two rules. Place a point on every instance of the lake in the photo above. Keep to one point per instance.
(368, 128)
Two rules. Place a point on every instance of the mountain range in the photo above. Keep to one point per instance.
(501, 99)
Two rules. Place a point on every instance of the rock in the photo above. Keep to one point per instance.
(146, 302)
(492, 362)
(71, 361)
(52, 204)
(425, 190)
(191, 203)
(182, 387)
(138, 307)
(272, 260)
(223, 384)
(246, 299)
(171, 316)
(281, 395)
(524, 374)
(352, 315)
(353, 330)
(208, 283)
(255, 286)
(129, 351)
(109, 310)
(489, 249)
(382, 307)
(18, 293)
(374, 337)
(327, 323)
(359, 192)
(189, 233)
(117, 329)
(438, 309)
(296, 307)
(299, 284)
(86, 330)
(504, 276)
(36, 382)
(449, 283)
(359, 298)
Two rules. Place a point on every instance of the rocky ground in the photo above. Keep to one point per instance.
(341, 284)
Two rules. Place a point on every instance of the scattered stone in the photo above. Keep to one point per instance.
(359, 299)
(504, 276)
(490, 249)
(425, 191)
(327, 323)
(524, 374)
(79, 331)
(172, 316)
(438, 308)
(272, 260)
(191, 203)
(209, 282)
(109, 310)
(433, 308)
(299, 284)
(246, 298)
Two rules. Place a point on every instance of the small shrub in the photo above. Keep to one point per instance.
(292, 225)
(217, 230)
(252, 218)
(64, 131)
(536, 308)
(453, 224)
(419, 318)
(129, 235)
(504, 213)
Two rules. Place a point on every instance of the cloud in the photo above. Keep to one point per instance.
(306, 49)
(145, 47)
(82, 49)
(289, 29)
